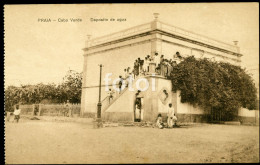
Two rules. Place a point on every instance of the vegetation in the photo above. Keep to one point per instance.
(69, 89)
(214, 85)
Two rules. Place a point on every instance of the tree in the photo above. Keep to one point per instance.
(69, 89)
(215, 85)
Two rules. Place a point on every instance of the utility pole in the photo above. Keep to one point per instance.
(98, 123)
(99, 105)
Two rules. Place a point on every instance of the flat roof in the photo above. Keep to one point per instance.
(177, 31)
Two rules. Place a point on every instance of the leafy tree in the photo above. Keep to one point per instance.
(69, 89)
(215, 85)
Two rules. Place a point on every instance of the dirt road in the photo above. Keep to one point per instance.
(68, 142)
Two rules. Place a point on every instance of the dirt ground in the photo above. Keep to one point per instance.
(37, 141)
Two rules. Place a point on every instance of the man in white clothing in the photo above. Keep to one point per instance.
(170, 115)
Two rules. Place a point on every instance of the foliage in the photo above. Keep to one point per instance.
(217, 85)
(69, 89)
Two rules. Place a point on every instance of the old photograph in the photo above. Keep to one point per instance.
(131, 83)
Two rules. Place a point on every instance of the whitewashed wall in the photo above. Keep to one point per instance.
(185, 108)
(247, 113)
(114, 61)
(164, 84)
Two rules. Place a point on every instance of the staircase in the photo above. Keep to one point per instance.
(105, 101)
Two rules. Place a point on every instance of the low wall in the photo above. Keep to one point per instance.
(50, 109)
(26, 109)
(89, 115)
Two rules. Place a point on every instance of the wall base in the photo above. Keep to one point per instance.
(117, 116)
(193, 118)
(248, 120)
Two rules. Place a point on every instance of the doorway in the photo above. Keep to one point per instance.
(138, 109)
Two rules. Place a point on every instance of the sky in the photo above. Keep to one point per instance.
(42, 52)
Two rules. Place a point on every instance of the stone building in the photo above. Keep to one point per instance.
(119, 50)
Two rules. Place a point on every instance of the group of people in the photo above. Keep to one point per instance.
(164, 67)
(141, 67)
(171, 119)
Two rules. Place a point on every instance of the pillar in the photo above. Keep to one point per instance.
(156, 42)
(84, 76)
(40, 108)
(33, 106)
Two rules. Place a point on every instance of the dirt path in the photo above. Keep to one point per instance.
(64, 142)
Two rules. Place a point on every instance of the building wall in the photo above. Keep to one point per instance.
(118, 54)
(164, 84)
(246, 116)
(114, 61)
(185, 108)
(189, 113)
(246, 112)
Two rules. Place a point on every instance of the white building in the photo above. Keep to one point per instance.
(119, 50)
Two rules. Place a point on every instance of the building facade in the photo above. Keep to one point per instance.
(119, 50)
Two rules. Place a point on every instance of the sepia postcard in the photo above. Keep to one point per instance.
(131, 83)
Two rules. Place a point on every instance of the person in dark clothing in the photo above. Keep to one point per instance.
(120, 83)
(141, 66)
(136, 68)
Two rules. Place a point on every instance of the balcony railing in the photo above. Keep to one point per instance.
(164, 27)
(198, 37)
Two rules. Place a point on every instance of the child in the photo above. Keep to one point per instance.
(17, 112)
(110, 95)
(159, 122)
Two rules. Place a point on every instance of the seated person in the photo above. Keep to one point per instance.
(159, 122)
(174, 118)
